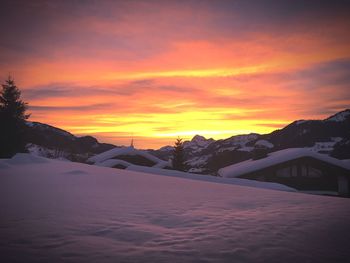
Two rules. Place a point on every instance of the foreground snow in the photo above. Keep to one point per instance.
(53, 211)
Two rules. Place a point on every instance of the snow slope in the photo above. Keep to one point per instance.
(340, 116)
(264, 143)
(53, 211)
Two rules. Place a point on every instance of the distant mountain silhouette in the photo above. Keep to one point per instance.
(329, 136)
(54, 141)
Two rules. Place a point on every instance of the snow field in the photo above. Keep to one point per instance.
(53, 211)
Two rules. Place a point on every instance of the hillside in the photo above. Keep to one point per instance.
(328, 136)
(48, 141)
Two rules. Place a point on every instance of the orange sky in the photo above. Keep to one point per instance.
(156, 70)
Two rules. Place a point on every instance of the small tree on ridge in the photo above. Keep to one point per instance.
(178, 156)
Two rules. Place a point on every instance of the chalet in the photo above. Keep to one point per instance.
(300, 168)
(123, 157)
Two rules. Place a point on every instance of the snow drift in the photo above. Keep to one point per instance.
(54, 211)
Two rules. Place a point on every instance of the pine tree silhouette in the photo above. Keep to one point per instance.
(178, 156)
(12, 119)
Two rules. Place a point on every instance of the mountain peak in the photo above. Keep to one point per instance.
(198, 138)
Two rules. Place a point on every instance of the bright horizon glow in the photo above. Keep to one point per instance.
(156, 70)
(196, 73)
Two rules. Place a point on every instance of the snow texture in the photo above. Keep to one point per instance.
(340, 116)
(300, 122)
(232, 148)
(38, 150)
(264, 143)
(43, 126)
(196, 170)
(101, 158)
(53, 211)
(239, 143)
(246, 149)
(198, 160)
(274, 158)
(198, 141)
(325, 147)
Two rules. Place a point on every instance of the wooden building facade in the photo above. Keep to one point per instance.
(306, 174)
(301, 169)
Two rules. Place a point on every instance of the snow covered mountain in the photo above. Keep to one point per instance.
(208, 155)
(48, 141)
(307, 133)
(329, 136)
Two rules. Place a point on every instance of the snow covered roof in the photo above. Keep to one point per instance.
(103, 159)
(210, 178)
(274, 158)
(113, 162)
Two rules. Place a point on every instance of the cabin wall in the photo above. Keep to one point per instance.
(343, 185)
(306, 174)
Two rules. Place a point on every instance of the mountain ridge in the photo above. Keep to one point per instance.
(330, 136)
(49, 141)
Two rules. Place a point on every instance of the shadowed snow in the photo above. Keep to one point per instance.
(57, 211)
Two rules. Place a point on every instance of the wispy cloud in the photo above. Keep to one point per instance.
(160, 68)
(82, 108)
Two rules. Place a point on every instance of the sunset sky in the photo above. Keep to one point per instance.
(156, 70)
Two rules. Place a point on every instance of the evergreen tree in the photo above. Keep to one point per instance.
(178, 156)
(12, 119)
